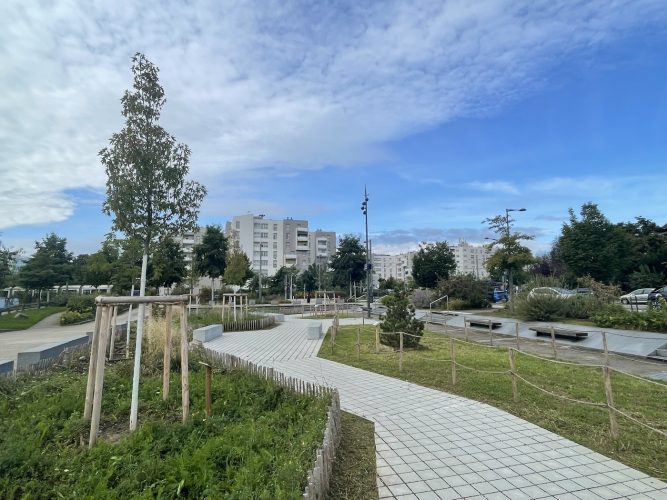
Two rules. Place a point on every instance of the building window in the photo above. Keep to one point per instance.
(275, 227)
(238, 225)
(275, 236)
(275, 245)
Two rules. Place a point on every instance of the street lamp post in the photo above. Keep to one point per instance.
(364, 210)
(509, 271)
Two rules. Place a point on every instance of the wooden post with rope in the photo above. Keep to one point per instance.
(613, 424)
(515, 390)
(606, 349)
(400, 353)
(166, 368)
(553, 341)
(452, 352)
(516, 330)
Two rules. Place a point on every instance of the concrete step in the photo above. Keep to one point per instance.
(658, 358)
(661, 352)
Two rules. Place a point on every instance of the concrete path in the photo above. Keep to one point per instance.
(434, 445)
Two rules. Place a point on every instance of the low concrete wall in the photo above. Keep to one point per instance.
(52, 349)
(278, 317)
(6, 366)
(207, 333)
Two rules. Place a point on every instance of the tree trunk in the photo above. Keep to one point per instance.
(137, 349)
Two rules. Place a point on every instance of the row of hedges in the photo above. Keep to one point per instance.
(79, 308)
(616, 316)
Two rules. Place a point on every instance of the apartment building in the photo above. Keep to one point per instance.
(392, 266)
(271, 244)
(471, 259)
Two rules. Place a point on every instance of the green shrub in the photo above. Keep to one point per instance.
(71, 317)
(59, 299)
(616, 316)
(81, 303)
(421, 297)
(456, 304)
(400, 317)
(581, 306)
(466, 287)
(539, 307)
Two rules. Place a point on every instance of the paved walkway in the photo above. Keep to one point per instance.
(434, 445)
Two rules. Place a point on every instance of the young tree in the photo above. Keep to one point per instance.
(210, 256)
(433, 262)
(349, 262)
(308, 281)
(400, 317)
(50, 265)
(7, 263)
(168, 264)
(238, 270)
(146, 188)
(99, 267)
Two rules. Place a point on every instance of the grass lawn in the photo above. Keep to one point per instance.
(259, 443)
(354, 469)
(9, 322)
(429, 365)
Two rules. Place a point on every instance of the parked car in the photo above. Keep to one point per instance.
(652, 298)
(583, 291)
(639, 296)
(548, 291)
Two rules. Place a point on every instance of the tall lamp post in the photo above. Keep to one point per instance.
(510, 291)
(369, 291)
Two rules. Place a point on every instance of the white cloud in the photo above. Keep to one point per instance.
(494, 187)
(256, 85)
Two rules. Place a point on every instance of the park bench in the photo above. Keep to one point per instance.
(559, 332)
(486, 323)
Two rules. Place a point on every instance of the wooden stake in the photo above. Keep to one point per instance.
(377, 339)
(515, 390)
(127, 333)
(99, 377)
(358, 343)
(113, 331)
(613, 424)
(452, 351)
(185, 381)
(207, 390)
(400, 355)
(166, 360)
(606, 350)
(465, 328)
(553, 342)
(516, 329)
(491, 331)
(94, 345)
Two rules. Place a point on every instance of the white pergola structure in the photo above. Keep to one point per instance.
(233, 301)
(104, 319)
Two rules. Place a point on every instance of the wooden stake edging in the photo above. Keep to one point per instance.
(358, 343)
(377, 339)
(185, 380)
(491, 331)
(207, 391)
(613, 424)
(127, 333)
(90, 386)
(465, 328)
(166, 360)
(515, 390)
(516, 329)
(606, 350)
(452, 351)
(553, 342)
(113, 331)
(400, 355)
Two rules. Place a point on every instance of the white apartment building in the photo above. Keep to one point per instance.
(271, 244)
(471, 259)
(392, 266)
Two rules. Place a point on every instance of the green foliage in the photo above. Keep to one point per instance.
(167, 264)
(390, 283)
(9, 322)
(80, 303)
(50, 265)
(259, 443)
(146, 169)
(433, 262)
(509, 255)
(421, 298)
(456, 304)
(205, 294)
(7, 263)
(645, 278)
(400, 317)
(603, 293)
(349, 262)
(594, 246)
(308, 280)
(237, 271)
(210, 256)
(616, 316)
(473, 292)
(72, 317)
(539, 307)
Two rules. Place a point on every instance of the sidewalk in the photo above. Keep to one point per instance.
(431, 444)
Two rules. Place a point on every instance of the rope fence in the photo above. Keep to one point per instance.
(513, 370)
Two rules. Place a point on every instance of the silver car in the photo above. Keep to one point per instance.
(638, 296)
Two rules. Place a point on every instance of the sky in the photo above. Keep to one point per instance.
(449, 112)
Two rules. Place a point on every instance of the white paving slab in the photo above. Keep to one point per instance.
(431, 444)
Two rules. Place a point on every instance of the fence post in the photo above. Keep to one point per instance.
(358, 343)
(400, 353)
(166, 368)
(606, 350)
(185, 380)
(452, 352)
(553, 342)
(93, 363)
(207, 390)
(516, 329)
(613, 424)
(491, 331)
(515, 390)
(465, 328)
(113, 331)
(99, 377)
(127, 333)
(377, 339)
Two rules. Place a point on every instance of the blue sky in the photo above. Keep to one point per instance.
(449, 112)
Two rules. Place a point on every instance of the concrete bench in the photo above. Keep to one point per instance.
(278, 317)
(207, 333)
(50, 350)
(6, 366)
(483, 322)
(560, 332)
(314, 330)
